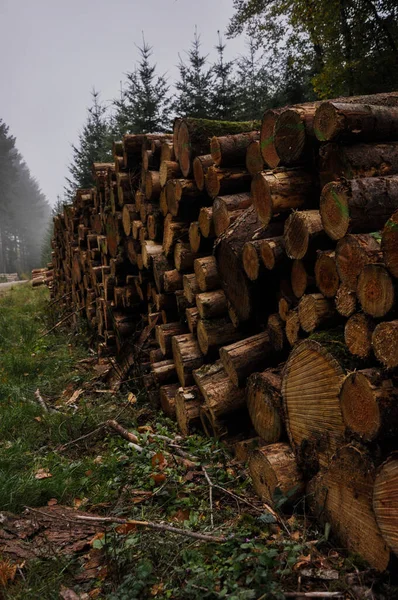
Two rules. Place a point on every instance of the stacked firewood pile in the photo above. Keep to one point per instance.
(250, 269)
(43, 276)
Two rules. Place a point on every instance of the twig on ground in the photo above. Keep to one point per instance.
(63, 320)
(130, 437)
(210, 496)
(82, 437)
(41, 401)
(313, 594)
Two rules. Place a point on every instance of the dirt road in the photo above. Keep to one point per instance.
(7, 286)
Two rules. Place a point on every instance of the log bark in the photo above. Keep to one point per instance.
(358, 335)
(385, 501)
(196, 241)
(184, 257)
(211, 304)
(224, 207)
(342, 496)
(385, 343)
(173, 232)
(301, 277)
(129, 214)
(311, 385)
(315, 310)
(251, 259)
(272, 252)
(183, 194)
(187, 357)
(150, 249)
(160, 266)
(192, 317)
(188, 403)
(164, 372)
(267, 138)
(230, 150)
(152, 185)
(276, 330)
(244, 448)
(353, 252)
(206, 273)
(358, 206)
(369, 404)
(165, 333)
(243, 357)
(360, 160)
(168, 399)
(326, 274)
(375, 290)
(264, 403)
(220, 395)
(172, 281)
(214, 333)
(194, 136)
(169, 169)
(389, 244)
(279, 191)
(191, 287)
(219, 182)
(345, 301)
(275, 474)
(303, 232)
(167, 150)
(292, 327)
(200, 166)
(254, 159)
(205, 221)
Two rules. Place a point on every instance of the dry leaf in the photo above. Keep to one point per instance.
(132, 398)
(94, 593)
(74, 397)
(181, 515)
(68, 594)
(38, 419)
(158, 460)
(158, 478)
(157, 588)
(42, 474)
(98, 536)
(145, 429)
(125, 528)
(52, 502)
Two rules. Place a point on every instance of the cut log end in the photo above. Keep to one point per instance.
(358, 335)
(334, 210)
(290, 137)
(385, 343)
(375, 290)
(385, 501)
(327, 122)
(326, 275)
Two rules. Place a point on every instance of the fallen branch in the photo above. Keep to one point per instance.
(41, 401)
(313, 594)
(82, 437)
(63, 320)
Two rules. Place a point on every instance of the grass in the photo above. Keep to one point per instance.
(102, 474)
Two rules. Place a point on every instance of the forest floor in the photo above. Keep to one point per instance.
(62, 460)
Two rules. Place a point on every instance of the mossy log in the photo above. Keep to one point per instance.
(275, 474)
(225, 206)
(264, 403)
(358, 335)
(230, 150)
(375, 290)
(187, 357)
(369, 404)
(188, 402)
(385, 501)
(221, 396)
(211, 304)
(341, 495)
(245, 356)
(326, 274)
(279, 191)
(358, 206)
(385, 343)
(353, 252)
(219, 182)
(254, 160)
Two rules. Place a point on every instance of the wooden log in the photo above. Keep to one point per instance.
(315, 310)
(164, 209)
(220, 395)
(345, 301)
(172, 281)
(183, 257)
(173, 232)
(385, 501)
(272, 252)
(176, 128)
(219, 182)
(129, 214)
(264, 403)
(192, 317)
(205, 221)
(355, 123)
(276, 331)
(190, 286)
(206, 273)
(251, 259)
(200, 166)
(187, 357)
(155, 355)
(164, 372)
(358, 335)
(169, 169)
(275, 192)
(385, 343)
(254, 160)
(275, 474)
(230, 150)
(160, 266)
(243, 357)
(195, 237)
(360, 160)
(375, 290)
(358, 206)
(267, 138)
(150, 249)
(342, 496)
(167, 395)
(214, 333)
(182, 191)
(369, 404)
(165, 333)
(194, 135)
(310, 389)
(224, 207)
(188, 403)
(211, 304)
(301, 277)
(303, 232)
(326, 274)
(244, 448)
(152, 185)
(292, 327)
(353, 252)
(167, 150)
(293, 133)
(389, 244)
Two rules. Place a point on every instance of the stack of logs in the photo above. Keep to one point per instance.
(250, 269)
(43, 276)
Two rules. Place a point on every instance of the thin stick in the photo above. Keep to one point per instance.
(130, 437)
(40, 400)
(82, 437)
(313, 594)
(210, 496)
(63, 320)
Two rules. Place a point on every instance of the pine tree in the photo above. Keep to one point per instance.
(144, 105)
(223, 89)
(194, 88)
(94, 146)
(253, 85)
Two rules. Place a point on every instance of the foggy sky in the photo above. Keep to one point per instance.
(52, 52)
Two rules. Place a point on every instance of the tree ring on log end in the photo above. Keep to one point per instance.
(360, 411)
(261, 197)
(334, 210)
(290, 136)
(327, 122)
(385, 501)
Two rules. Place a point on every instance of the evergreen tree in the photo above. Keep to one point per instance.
(194, 89)
(144, 105)
(223, 99)
(253, 85)
(94, 146)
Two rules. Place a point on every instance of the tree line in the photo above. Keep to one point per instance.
(24, 210)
